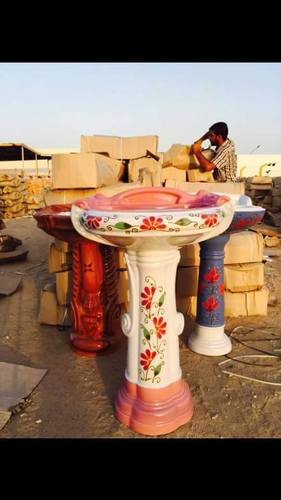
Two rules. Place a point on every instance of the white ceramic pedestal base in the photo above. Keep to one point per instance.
(211, 341)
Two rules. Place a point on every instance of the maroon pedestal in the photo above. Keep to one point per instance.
(96, 314)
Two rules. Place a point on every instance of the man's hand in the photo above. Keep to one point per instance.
(195, 147)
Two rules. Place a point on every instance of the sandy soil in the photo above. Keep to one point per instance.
(75, 399)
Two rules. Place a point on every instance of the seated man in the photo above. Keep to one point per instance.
(224, 163)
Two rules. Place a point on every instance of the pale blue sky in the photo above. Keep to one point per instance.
(52, 104)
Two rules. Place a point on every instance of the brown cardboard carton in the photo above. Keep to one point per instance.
(187, 281)
(122, 148)
(220, 187)
(62, 196)
(247, 303)
(151, 166)
(84, 170)
(120, 259)
(173, 173)
(63, 287)
(195, 175)
(48, 305)
(186, 305)
(123, 287)
(242, 247)
(58, 196)
(190, 255)
(177, 156)
(58, 260)
(244, 277)
(62, 246)
(50, 312)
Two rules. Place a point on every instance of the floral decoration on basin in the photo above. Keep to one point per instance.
(141, 223)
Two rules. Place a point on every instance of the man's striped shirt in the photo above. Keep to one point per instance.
(226, 162)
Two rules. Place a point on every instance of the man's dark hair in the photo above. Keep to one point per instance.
(220, 128)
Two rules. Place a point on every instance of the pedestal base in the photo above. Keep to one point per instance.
(154, 411)
(87, 346)
(211, 341)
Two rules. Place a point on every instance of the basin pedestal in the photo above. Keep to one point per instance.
(152, 224)
(94, 305)
(208, 337)
(95, 311)
(153, 399)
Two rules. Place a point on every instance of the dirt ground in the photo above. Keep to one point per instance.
(76, 397)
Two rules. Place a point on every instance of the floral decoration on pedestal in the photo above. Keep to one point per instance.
(153, 325)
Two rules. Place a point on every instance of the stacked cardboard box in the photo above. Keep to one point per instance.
(237, 188)
(85, 170)
(266, 192)
(56, 296)
(120, 148)
(245, 293)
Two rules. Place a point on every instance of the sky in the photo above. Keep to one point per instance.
(49, 105)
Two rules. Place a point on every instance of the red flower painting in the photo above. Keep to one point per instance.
(94, 222)
(210, 220)
(210, 304)
(160, 326)
(146, 358)
(152, 223)
(147, 296)
(212, 276)
(221, 288)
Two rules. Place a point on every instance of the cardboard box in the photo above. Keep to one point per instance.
(187, 281)
(190, 255)
(151, 166)
(247, 303)
(244, 277)
(123, 288)
(120, 259)
(62, 246)
(195, 175)
(58, 260)
(186, 305)
(84, 170)
(177, 156)
(51, 313)
(121, 148)
(213, 187)
(58, 196)
(173, 173)
(243, 247)
(62, 196)
(63, 287)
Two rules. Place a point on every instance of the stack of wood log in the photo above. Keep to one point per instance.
(36, 188)
(266, 192)
(20, 196)
(12, 196)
